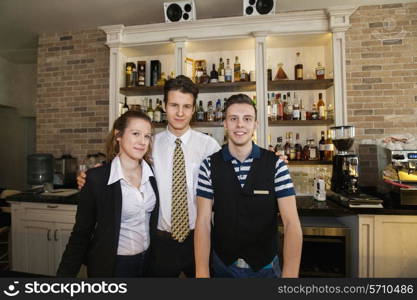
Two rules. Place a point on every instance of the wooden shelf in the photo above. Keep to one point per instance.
(300, 122)
(193, 124)
(308, 162)
(235, 87)
(291, 85)
(223, 87)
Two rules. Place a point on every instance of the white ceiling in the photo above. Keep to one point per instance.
(21, 21)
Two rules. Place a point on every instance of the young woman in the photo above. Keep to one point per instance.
(118, 209)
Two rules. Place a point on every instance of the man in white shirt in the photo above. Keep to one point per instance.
(173, 251)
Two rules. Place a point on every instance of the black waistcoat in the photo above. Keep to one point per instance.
(245, 219)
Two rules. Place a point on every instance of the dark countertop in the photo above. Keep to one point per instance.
(36, 197)
(306, 205)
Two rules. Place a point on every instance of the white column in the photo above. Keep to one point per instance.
(114, 79)
(339, 71)
(180, 54)
(261, 87)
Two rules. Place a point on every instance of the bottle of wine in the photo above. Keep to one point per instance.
(298, 147)
(279, 150)
(296, 115)
(298, 69)
(200, 112)
(321, 106)
(214, 75)
(125, 107)
(329, 148)
(280, 107)
(228, 72)
(210, 112)
(236, 69)
(150, 110)
(141, 73)
(219, 113)
(157, 114)
(322, 144)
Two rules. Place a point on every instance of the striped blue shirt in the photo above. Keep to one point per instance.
(283, 183)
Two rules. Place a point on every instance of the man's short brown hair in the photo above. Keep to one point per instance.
(239, 99)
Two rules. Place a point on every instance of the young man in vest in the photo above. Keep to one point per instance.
(245, 186)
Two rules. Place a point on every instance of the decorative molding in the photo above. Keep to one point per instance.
(339, 17)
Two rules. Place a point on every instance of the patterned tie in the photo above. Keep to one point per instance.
(179, 210)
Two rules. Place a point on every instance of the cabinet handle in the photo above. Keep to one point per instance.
(55, 237)
(47, 235)
(52, 206)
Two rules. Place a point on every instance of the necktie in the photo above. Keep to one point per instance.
(179, 210)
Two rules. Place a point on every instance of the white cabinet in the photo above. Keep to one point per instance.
(40, 232)
(384, 245)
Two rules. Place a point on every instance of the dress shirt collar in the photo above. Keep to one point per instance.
(116, 172)
(184, 138)
(227, 156)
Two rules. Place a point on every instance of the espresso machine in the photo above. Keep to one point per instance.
(400, 176)
(345, 172)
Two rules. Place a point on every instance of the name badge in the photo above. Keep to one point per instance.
(260, 192)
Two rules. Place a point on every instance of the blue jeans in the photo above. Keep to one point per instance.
(221, 270)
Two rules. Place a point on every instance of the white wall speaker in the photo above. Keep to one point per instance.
(179, 11)
(258, 7)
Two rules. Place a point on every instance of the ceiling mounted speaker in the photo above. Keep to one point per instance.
(180, 11)
(258, 7)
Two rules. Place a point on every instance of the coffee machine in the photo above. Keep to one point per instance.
(345, 165)
(345, 172)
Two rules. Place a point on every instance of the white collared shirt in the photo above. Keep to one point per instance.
(137, 205)
(196, 147)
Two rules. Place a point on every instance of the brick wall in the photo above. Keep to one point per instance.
(381, 58)
(72, 93)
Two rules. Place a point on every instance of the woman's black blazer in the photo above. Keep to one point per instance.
(95, 236)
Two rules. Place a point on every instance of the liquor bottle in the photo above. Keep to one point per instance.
(329, 148)
(128, 74)
(221, 76)
(141, 73)
(314, 112)
(313, 150)
(218, 116)
(150, 110)
(322, 145)
(236, 69)
(200, 112)
(287, 146)
(292, 148)
(254, 100)
(279, 150)
(296, 115)
(288, 109)
(321, 106)
(330, 112)
(270, 147)
(155, 72)
(125, 107)
(284, 104)
(210, 112)
(244, 76)
(280, 107)
(204, 79)
(298, 69)
(214, 76)
(134, 77)
(319, 71)
(228, 72)
(221, 65)
(303, 113)
(157, 114)
(164, 114)
(280, 73)
(269, 108)
(306, 151)
(298, 147)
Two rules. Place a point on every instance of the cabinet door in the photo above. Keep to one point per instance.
(395, 246)
(38, 247)
(61, 235)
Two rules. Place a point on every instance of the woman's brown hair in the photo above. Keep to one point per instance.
(119, 126)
